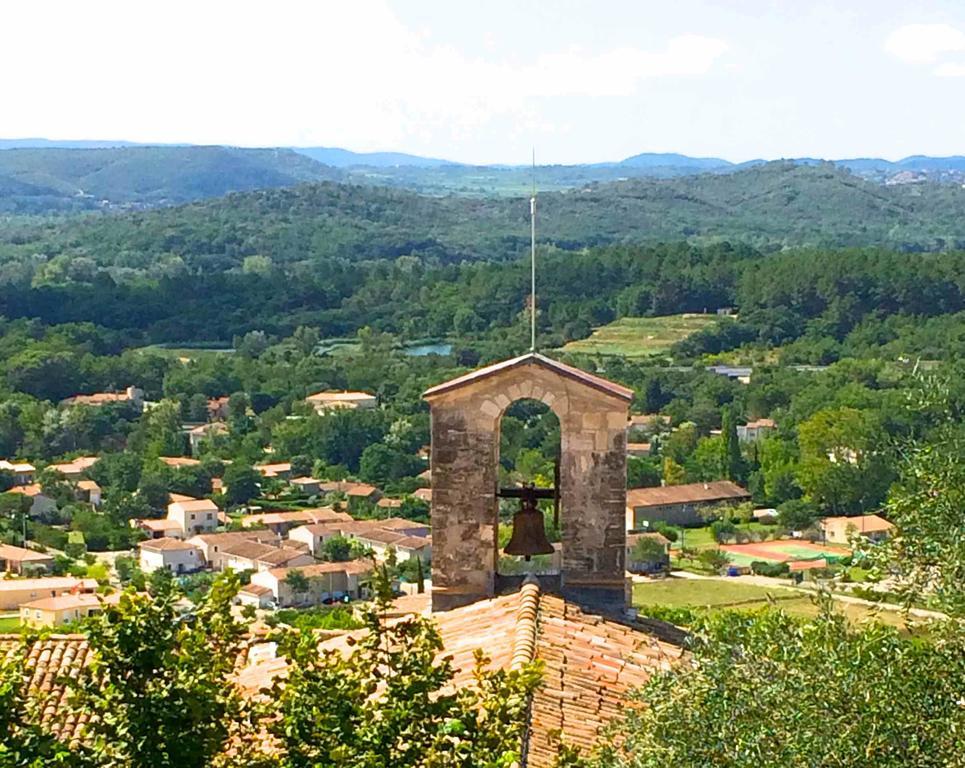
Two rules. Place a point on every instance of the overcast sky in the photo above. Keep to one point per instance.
(484, 81)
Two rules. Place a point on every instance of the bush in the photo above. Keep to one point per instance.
(723, 530)
(774, 570)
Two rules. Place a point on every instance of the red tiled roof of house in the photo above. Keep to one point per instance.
(21, 555)
(861, 523)
(65, 602)
(761, 423)
(159, 525)
(718, 490)
(48, 660)
(31, 490)
(533, 358)
(180, 461)
(166, 544)
(356, 567)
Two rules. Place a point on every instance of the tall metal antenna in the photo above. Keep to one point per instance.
(532, 234)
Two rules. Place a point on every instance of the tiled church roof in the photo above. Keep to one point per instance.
(591, 662)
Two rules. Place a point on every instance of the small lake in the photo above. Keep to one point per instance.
(421, 350)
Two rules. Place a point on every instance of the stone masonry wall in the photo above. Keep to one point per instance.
(465, 442)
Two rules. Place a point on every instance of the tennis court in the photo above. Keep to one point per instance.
(782, 551)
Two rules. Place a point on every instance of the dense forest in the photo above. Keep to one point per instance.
(773, 205)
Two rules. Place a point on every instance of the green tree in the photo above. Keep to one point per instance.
(843, 464)
(673, 473)
(642, 472)
(242, 484)
(297, 582)
(381, 464)
(734, 467)
(797, 514)
(337, 549)
(927, 551)
(306, 339)
(771, 690)
(160, 691)
(391, 701)
(161, 427)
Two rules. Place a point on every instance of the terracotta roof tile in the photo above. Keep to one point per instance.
(683, 494)
(47, 661)
(533, 358)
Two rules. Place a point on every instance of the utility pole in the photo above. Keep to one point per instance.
(532, 236)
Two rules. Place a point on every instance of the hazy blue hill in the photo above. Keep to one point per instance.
(772, 206)
(674, 160)
(925, 163)
(151, 175)
(344, 158)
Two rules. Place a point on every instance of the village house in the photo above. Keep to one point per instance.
(177, 462)
(258, 556)
(173, 554)
(382, 541)
(89, 491)
(40, 503)
(16, 592)
(132, 395)
(19, 560)
(679, 504)
(423, 494)
(280, 469)
(23, 473)
(218, 408)
(59, 610)
(741, 374)
(658, 561)
(840, 530)
(753, 431)
(213, 545)
(325, 581)
(75, 468)
(282, 522)
(197, 516)
(354, 492)
(307, 485)
(159, 528)
(638, 449)
(197, 435)
(329, 401)
(386, 503)
(315, 535)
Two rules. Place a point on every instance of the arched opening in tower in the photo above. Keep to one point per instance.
(529, 454)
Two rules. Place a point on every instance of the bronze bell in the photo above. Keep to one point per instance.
(529, 535)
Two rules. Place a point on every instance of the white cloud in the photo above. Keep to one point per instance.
(924, 43)
(294, 72)
(950, 69)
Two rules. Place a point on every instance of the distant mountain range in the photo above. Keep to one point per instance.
(42, 176)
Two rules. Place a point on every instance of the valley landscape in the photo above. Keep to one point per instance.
(320, 457)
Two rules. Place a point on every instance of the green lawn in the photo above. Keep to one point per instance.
(719, 594)
(703, 592)
(9, 624)
(641, 336)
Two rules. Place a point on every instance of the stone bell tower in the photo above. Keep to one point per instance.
(466, 415)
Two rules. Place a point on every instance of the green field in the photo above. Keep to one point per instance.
(719, 594)
(9, 624)
(641, 336)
